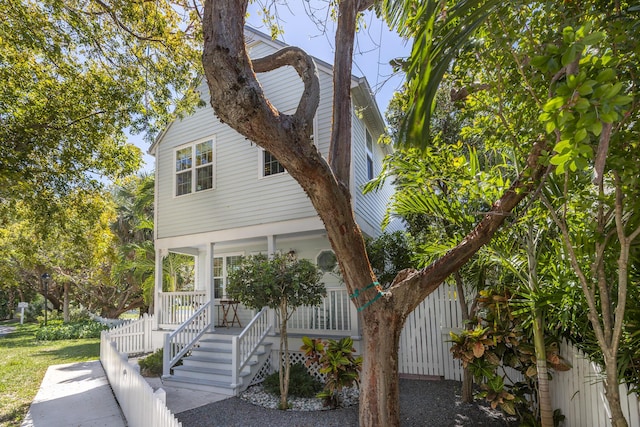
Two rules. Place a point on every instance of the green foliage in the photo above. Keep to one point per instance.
(151, 365)
(337, 361)
(284, 283)
(585, 101)
(301, 382)
(138, 61)
(260, 281)
(437, 37)
(388, 254)
(498, 340)
(57, 330)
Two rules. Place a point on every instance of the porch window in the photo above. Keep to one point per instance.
(194, 167)
(369, 151)
(222, 266)
(270, 165)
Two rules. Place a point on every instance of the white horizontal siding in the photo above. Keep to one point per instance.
(369, 208)
(240, 197)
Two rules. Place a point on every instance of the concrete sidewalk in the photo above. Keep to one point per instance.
(76, 394)
(79, 395)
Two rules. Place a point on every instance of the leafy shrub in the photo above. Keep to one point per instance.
(79, 314)
(152, 364)
(337, 361)
(301, 383)
(53, 317)
(56, 330)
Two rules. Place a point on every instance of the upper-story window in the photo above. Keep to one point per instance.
(194, 167)
(369, 151)
(270, 165)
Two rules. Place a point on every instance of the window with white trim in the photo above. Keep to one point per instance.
(222, 266)
(194, 167)
(270, 165)
(369, 151)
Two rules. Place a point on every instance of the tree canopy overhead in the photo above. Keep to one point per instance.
(76, 76)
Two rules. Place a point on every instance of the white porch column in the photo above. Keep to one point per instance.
(209, 283)
(271, 250)
(157, 290)
(271, 245)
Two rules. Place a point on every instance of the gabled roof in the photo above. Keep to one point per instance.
(362, 96)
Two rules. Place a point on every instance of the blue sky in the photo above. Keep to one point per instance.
(375, 46)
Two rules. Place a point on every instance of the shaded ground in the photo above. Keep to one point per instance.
(422, 403)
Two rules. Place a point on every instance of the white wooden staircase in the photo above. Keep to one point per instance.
(219, 363)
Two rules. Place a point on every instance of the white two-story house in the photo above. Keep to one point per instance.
(220, 197)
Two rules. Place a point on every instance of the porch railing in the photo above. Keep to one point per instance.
(245, 345)
(180, 341)
(177, 307)
(336, 315)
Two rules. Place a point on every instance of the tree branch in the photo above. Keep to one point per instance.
(340, 148)
(412, 286)
(306, 69)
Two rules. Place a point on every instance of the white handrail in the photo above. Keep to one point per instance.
(245, 345)
(180, 341)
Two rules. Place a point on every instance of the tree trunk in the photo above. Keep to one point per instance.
(544, 393)
(379, 384)
(285, 366)
(467, 377)
(65, 304)
(612, 392)
(467, 386)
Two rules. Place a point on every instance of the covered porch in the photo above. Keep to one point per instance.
(215, 255)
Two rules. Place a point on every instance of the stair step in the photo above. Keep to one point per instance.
(208, 358)
(200, 384)
(210, 350)
(202, 370)
(210, 374)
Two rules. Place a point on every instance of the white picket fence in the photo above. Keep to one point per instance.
(425, 340)
(134, 337)
(578, 393)
(140, 405)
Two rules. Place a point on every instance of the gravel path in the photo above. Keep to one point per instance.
(422, 403)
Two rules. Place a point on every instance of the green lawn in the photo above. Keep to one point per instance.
(23, 363)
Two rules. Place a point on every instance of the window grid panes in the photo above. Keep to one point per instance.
(369, 155)
(271, 165)
(194, 168)
(222, 266)
(218, 277)
(183, 183)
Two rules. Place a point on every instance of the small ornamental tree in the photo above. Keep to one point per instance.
(282, 283)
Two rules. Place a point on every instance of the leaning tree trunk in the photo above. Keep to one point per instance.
(239, 101)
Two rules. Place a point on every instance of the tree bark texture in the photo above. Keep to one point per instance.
(238, 100)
